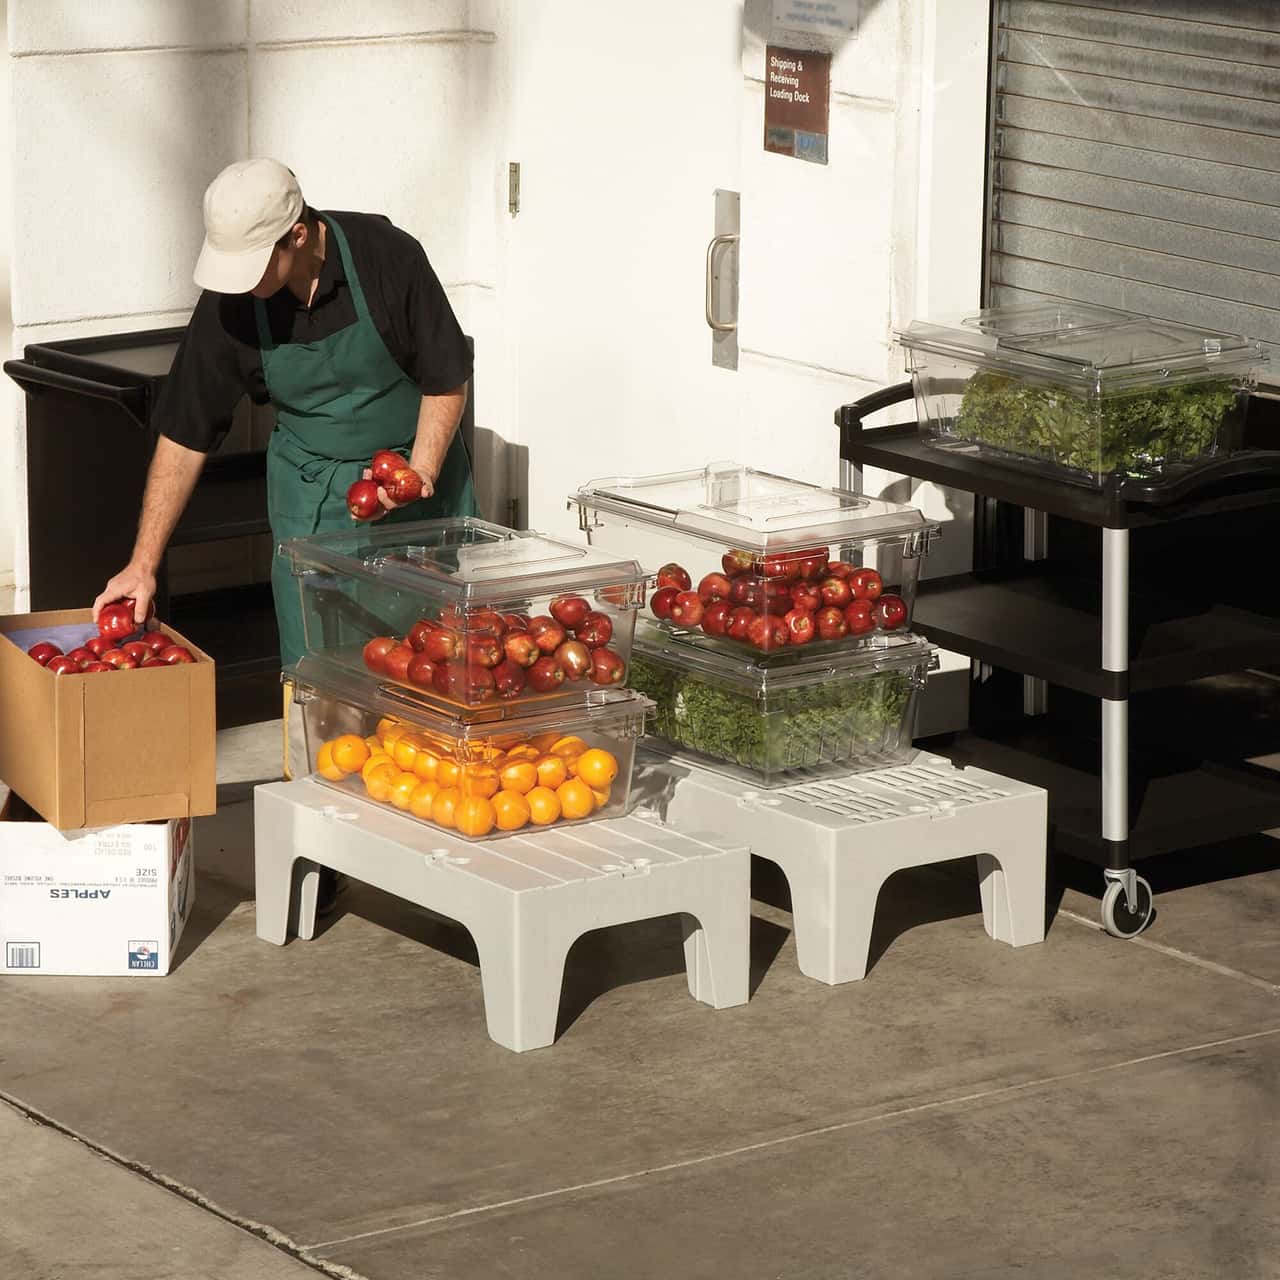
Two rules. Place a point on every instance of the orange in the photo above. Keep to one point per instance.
(479, 780)
(542, 742)
(402, 789)
(474, 816)
(374, 743)
(568, 746)
(393, 735)
(325, 766)
(552, 771)
(601, 796)
(378, 781)
(511, 810)
(544, 806)
(597, 767)
(404, 753)
(426, 764)
(525, 751)
(421, 799)
(448, 772)
(385, 725)
(576, 800)
(377, 758)
(520, 776)
(350, 753)
(443, 806)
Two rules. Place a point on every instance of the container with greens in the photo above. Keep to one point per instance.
(764, 716)
(1087, 391)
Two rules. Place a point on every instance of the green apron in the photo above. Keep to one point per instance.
(337, 402)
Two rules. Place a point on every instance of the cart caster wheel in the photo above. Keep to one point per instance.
(1117, 919)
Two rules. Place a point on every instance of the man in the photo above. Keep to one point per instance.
(340, 323)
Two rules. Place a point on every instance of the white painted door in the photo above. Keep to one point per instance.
(626, 119)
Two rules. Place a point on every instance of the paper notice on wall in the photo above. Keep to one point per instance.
(817, 17)
(797, 102)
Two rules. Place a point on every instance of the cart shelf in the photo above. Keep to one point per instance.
(1036, 623)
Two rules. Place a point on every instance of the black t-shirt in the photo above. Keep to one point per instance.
(219, 359)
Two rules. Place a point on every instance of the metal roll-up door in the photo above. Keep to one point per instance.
(1135, 158)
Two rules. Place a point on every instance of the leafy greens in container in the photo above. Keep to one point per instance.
(1086, 389)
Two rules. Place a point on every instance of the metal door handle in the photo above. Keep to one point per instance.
(718, 325)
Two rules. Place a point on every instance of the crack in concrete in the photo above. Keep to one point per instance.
(983, 1095)
(260, 1230)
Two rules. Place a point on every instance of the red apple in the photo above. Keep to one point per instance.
(405, 486)
(83, 656)
(735, 563)
(375, 653)
(119, 659)
(813, 564)
(661, 600)
(866, 584)
(547, 633)
(715, 618)
(418, 633)
(607, 667)
(748, 590)
(596, 629)
(156, 641)
(100, 644)
(781, 567)
(442, 677)
(484, 651)
(139, 650)
(740, 621)
(44, 652)
(830, 623)
(485, 622)
(777, 597)
(396, 662)
(890, 612)
(520, 648)
(100, 666)
(174, 654)
(363, 501)
(515, 621)
(715, 586)
(442, 644)
(466, 682)
(673, 575)
(546, 675)
(839, 569)
(384, 465)
(420, 671)
(800, 626)
(152, 661)
(61, 665)
(115, 621)
(509, 679)
(570, 611)
(835, 591)
(859, 618)
(767, 632)
(804, 595)
(575, 658)
(687, 609)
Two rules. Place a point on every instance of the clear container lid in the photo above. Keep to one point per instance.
(757, 673)
(315, 676)
(1086, 347)
(464, 559)
(737, 506)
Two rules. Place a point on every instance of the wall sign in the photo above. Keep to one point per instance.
(797, 102)
(822, 17)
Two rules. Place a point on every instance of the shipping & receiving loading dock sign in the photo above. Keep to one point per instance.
(797, 101)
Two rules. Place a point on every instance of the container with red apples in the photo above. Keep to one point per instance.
(757, 561)
(466, 614)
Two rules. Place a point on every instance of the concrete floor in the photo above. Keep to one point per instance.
(1084, 1107)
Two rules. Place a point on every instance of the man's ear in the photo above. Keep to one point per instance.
(301, 234)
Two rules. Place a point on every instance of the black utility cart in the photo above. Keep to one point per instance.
(1131, 594)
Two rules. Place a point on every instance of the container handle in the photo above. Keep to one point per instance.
(720, 326)
(34, 378)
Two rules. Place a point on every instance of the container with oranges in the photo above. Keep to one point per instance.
(481, 778)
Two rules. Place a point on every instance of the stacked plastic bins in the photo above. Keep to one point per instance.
(777, 635)
(471, 676)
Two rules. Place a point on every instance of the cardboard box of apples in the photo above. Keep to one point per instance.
(87, 751)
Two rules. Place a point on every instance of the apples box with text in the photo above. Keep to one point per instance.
(108, 902)
(93, 750)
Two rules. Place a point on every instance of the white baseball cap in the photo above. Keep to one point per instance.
(247, 208)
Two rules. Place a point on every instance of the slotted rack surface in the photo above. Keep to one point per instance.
(899, 792)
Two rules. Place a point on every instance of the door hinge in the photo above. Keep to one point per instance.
(513, 188)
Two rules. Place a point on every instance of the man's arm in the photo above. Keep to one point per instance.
(438, 418)
(170, 480)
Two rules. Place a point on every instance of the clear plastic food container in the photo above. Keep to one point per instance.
(755, 562)
(506, 770)
(763, 718)
(1084, 390)
(469, 613)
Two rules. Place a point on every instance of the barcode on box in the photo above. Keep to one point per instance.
(22, 955)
